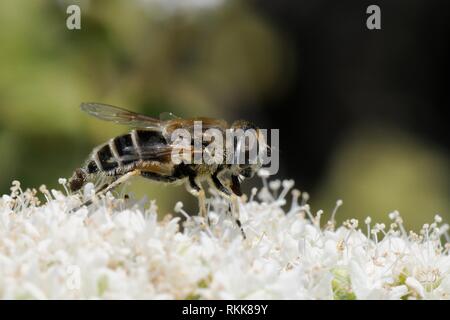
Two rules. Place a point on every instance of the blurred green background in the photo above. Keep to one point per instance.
(211, 58)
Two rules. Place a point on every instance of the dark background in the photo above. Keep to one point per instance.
(348, 76)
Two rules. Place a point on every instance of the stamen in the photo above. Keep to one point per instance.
(287, 185)
(333, 214)
(179, 209)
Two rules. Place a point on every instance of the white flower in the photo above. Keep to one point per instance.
(116, 249)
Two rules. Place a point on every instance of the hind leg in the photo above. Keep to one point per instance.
(119, 181)
(108, 187)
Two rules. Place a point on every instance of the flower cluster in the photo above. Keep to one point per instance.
(118, 249)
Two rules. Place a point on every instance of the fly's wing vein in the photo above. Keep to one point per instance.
(159, 152)
(120, 116)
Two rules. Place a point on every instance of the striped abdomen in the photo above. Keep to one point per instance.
(120, 153)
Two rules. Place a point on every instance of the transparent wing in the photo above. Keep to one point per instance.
(210, 123)
(159, 152)
(163, 151)
(189, 125)
(120, 116)
(167, 116)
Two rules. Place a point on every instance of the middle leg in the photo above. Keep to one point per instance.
(196, 190)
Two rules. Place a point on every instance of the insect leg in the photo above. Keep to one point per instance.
(236, 187)
(233, 195)
(195, 189)
(97, 192)
(119, 181)
(236, 214)
(103, 187)
(218, 184)
(106, 188)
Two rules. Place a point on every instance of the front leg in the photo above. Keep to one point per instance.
(236, 185)
(218, 184)
(233, 195)
(233, 186)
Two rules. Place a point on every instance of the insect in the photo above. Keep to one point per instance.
(146, 151)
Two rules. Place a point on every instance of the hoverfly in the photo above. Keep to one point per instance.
(146, 151)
